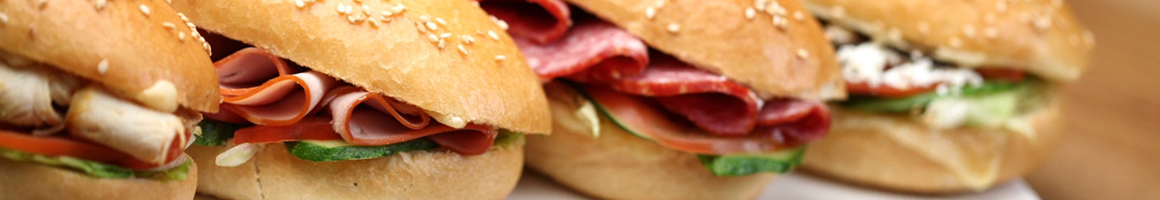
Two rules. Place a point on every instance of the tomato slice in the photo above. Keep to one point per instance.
(1002, 74)
(57, 146)
(313, 128)
(887, 91)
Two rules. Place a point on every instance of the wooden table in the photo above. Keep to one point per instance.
(1111, 149)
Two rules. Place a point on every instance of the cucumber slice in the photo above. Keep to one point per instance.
(876, 104)
(746, 164)
(327, 151)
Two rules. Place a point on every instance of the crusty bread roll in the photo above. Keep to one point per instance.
(791, 61)
(1039, 36)
(395, 57)
(275, 174)
(901, 154)
(618, 165)
(32, 181)
(140, 48)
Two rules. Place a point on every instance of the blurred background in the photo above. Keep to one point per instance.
(1113, 113)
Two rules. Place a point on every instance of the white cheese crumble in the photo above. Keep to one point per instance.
(868, 62)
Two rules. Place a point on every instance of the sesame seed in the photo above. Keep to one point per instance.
(101, 4)
(3, 18)
(440, 21)
(923, 27)
(674, 28)
(780, 22)
(838, 12)
(168, 25)
(759, 5)
(432, 26)
(650, 12)
(660, 3)
(354, 19)
(445, 35)
(424, 19)
(500, 58)
(421, 28)
(299, 3)
(386, 13)
(492, 35)
(103, 66)
(502, 24)
(399, 8)
(991, 32)
(797, 15)
(969, 31)
(467, 39)
(181, 36)
(373, 23)
(775, 9)
(802, 53)
(144, 9)
(341, 9)
(441, 43)
(461, 49)
(1043, 22)
(366, 10)
(433, 37)
(750, 13)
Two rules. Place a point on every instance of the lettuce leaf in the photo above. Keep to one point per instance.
(908, 104)
(214, 133)
(746, 164)
(96, 169)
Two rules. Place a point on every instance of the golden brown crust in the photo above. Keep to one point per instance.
(618, 165)
(717, 36)
(413, 175)
(394, 58)
(1039, 36)
(861, 149)
(23, 180)
(76, 37)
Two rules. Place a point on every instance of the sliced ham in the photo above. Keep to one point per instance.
(537, 20)
(266, 90)
(363, 118)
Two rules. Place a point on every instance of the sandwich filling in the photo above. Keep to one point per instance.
(941, 95)
(51, 117)
(268, 99)
(653, 95)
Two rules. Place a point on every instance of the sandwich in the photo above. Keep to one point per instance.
(946, 96)
(343, 99)
(98, 100)
(674, 99)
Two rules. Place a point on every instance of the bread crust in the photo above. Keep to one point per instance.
(275, 174)
(76, 36)
(1038, 36)
(861, 150)
(394, 58)
(618, 165)
(32, 181)
(753, 52)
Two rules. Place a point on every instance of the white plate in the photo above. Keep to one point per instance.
(533, 186)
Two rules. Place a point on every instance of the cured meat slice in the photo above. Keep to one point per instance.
(281, 98)
(712, 102)
(363, 118)
(541, 21)
(598, 49)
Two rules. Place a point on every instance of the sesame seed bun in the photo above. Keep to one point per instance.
(718, 37)
(139, 50)
(24, 180)
(275, 174)
(488, 82)
(1039, 36)
(900, 154)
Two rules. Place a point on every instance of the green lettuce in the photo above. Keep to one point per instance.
(96, 169)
